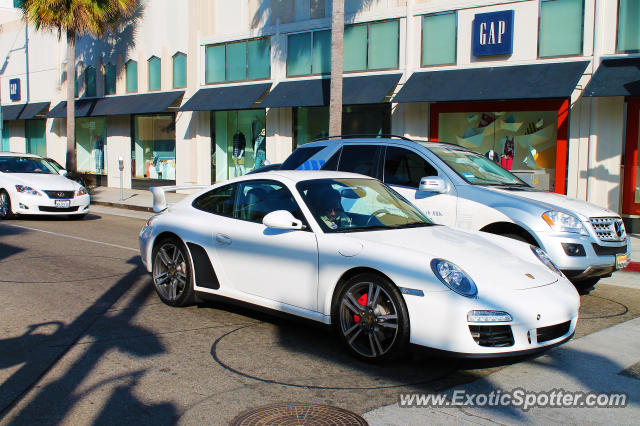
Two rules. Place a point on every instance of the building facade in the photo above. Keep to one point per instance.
(198, 91)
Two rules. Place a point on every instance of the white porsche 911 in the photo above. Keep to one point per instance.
(346, 250)
(29, 185)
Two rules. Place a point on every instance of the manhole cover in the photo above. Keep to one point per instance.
(298, 414)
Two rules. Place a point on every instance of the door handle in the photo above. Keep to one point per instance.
(223, 240)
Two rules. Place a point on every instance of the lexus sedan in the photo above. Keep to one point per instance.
(30, 185)
(346, 250)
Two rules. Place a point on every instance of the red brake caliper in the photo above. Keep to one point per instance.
(363, 301)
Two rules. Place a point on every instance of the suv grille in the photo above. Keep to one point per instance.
(495, 336)
(553, 331)
(609, 229)
(60, 194)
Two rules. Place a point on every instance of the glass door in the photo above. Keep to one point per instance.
(631, 187)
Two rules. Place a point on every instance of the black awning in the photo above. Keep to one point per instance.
(34, 110)
(368, 89)
(226, 97)
(539, 81)
(615, 77)
(83, 109)
(147, 103)
(12, 112)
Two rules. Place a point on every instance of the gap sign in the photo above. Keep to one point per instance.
(14, 89)
(493, 33)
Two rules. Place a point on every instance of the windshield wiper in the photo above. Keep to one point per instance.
(414, 225)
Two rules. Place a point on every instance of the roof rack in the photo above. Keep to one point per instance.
(371, 135)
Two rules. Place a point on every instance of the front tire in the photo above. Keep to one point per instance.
(171, 272)
(5, 205)
(371, 318)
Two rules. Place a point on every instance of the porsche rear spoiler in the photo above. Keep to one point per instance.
(159, 200)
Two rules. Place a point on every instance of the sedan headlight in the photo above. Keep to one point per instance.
(82, 191)
(23, 189)
(454, 277)
(544, 258)
(564, 222)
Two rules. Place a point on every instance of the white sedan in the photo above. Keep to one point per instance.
(29, 185)
(346, 250)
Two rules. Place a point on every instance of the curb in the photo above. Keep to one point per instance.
(633, 267)
(123, 206)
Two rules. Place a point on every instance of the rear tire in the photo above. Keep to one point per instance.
(172, 272)
(5, 205)
(371, 318)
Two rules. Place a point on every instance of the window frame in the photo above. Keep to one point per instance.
(126, 76)
(455, 44)
(368, 24)
(618, 34)
(87, 70)
(234, 197)
(173, 70)
(248, 63)
(384, 165)
(235, 216)
(376, 158)
(581, 53)
(311, 39)
(107, 66)
(153, 59)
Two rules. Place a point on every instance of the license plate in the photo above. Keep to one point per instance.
(63, 204)
(622, 260)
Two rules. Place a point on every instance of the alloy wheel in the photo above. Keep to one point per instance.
(368, 319)
(4, 204)
(170, 271)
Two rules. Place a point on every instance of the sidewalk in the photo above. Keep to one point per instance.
(605, 361)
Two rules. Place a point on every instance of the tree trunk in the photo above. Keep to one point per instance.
(337, 48)
(71, 105)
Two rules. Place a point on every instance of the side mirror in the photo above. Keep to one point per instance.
(63, 172)
(432, 184)
(281, 219)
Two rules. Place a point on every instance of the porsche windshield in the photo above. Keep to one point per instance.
(349, 205)
(25, 165)
(475, 168)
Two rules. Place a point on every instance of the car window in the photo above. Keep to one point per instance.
(359, 159)
(218, 201)
(332, 163)
(26, 165)
(405, 167)
(256, 199)
(299, 156)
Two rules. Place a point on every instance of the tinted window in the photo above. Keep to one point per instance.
(299, 156)
(258, 198)
(406, 168)
(332, 163)
(358, 159)
(218, 201)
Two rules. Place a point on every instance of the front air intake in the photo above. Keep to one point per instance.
(494, 336)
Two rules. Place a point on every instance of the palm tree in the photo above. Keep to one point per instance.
(337, 48)
(76, 18)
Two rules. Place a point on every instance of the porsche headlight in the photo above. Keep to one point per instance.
(23, 189)
(544, 258)
(454, 278)
(82, 191)
(564, 222)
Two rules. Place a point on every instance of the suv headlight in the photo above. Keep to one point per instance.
(23, 189)
(82, 191)
(544, 258)
(454, 278)
(564, 222)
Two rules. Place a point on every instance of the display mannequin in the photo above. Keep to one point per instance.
(259, 149)
(239, 145)
(98, 154)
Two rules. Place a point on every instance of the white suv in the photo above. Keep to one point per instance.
(463, 189)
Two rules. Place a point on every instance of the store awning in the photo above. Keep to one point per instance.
(368, 89)
(147, 103)
(615, 77)
(12, 112)
(34, 110)
(539, 81)
(226, 97)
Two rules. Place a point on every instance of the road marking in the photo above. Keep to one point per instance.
(73, 237)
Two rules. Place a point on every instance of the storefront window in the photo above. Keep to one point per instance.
(131, 71)
(153, 150)
(239, 142)
(35, 137)
(524, 142)
(236, 61)
(371, 46)
(91, 145)
(312, 123)
(5, 137)
(109, 79)
(637, 162)
(90, 82)
(628, 26)
(561, 27)
(309, 53)
(439, 39)
(155, 73)
(179, 70)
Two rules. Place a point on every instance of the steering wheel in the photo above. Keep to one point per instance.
(377, 214)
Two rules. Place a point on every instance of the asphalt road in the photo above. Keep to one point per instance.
(84, 339)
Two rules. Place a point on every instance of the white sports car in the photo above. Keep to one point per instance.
(346, 250)
(29, 185)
